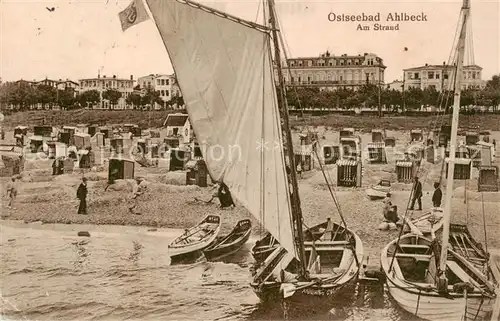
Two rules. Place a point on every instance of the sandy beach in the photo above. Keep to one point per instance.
(168, 202)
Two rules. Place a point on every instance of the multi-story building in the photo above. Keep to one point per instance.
(395, 85)
(101, 84)
(442, 77)
(68, 84)
(165, 85)
(329, 72)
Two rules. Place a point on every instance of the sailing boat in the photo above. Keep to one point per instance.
(429, 279)
(224, 69)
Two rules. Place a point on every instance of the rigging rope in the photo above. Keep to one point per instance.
(285, 49)
(484, 226)
(439, 119)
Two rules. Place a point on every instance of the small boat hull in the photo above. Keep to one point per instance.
(327, 284)
(379, 191)
(264, 247)
(422, 299)
(222, 248)
(428, 223)
(440, 308)
(374, 194)
(183, 249)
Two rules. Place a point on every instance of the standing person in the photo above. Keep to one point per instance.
(2, 133)
(417, 194)
(12, 192)
(81, 194)
(437, 196)
(299, 169)
(139, 190)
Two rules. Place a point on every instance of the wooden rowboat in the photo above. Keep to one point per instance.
(230, 243)
(462, 242)
(341, 249)
(427, 224)
(195, 239)
(264, 247)
(379, 191)
(411, 282)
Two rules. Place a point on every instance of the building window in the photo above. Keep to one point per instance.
(416, 76)
(437, 76)
(445, 76)
(473, 75)
(166, 93)
(309, 63)
(430, 74)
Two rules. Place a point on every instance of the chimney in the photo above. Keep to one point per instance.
(98, 76)
(426, 65)
(131, 77)
(114, 76)
(444, 63)
(104, 76)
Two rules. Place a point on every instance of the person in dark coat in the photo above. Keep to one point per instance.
(417, 194)
(437, 196)
(225, 196)
(81, 194)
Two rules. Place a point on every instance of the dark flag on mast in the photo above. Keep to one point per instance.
(134, 14)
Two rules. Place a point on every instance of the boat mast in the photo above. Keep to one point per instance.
(296, 208)
(442, 282)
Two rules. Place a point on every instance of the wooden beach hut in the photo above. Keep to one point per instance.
(57, 150)
(378, 135)
(488, 179)
(331, 153)
(120, 168)
(349, 173)
(346, 132)
(82, 140)
(197, 173)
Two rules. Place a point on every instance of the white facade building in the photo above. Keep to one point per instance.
(329, 72)
(165, 85)
(442, 77)
(101, 84)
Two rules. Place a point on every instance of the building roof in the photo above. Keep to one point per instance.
(331, 56)
(176, 120)
(425, 67)
(106, 78)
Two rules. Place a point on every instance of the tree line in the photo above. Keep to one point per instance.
(373, 96)
(24, 96)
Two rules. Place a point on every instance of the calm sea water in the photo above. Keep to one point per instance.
(49, 273)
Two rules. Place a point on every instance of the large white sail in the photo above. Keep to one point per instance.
(224, 71)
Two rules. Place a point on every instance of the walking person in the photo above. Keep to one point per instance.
(81, 194)
(299, 169)
(139, 190)
(417, 194)
(12, 192)
(437, 196)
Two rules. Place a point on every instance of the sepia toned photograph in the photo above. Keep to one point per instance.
(250, 160)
